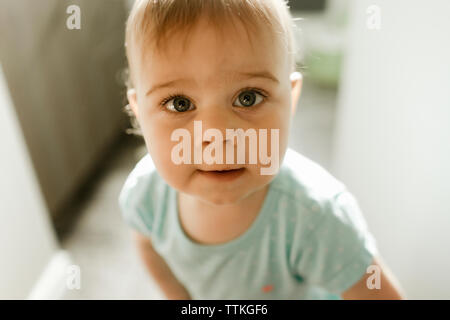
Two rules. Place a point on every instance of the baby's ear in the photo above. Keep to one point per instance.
(296, 88)
(132, 100)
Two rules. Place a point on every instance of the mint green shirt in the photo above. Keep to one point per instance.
(309, 241)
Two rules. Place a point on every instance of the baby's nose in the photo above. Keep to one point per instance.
(211, 132)
(215, 123)
(212, 127)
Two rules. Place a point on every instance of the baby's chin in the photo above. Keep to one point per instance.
(221, 195)
(221, 199)
(224, 198)
(218, 188)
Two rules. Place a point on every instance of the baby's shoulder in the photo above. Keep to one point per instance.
(142, 190)
(143, 178)
(315, 206)
(300, 176)
(324, 229)
(304, 186)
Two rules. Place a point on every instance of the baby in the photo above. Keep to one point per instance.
(215, 216)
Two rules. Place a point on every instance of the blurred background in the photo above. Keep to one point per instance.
(374, 112)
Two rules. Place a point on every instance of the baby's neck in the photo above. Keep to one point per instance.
(207, 223)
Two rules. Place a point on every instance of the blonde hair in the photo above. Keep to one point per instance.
(152, 21)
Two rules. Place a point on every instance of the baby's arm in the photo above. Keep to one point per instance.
(159, 270)
(389, 288)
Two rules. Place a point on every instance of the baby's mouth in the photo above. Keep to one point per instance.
(223, 174)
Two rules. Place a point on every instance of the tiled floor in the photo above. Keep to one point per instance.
(100, 243)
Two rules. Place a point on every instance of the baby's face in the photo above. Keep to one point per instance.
(225, 84)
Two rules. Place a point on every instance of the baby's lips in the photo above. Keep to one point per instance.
(220, 168)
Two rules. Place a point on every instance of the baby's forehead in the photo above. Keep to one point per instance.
(206, 48)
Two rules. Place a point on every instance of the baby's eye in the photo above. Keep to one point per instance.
(178, 104)
(249, 98)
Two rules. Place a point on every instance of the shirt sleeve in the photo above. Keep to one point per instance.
(135, 204)
(340, 248)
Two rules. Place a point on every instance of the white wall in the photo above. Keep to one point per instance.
(27, 241)
(392, 145)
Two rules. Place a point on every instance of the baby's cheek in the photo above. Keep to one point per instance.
(163, 157)
(177, 176)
